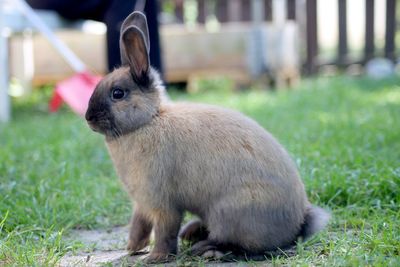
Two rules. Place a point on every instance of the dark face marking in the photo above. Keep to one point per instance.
(98, 114)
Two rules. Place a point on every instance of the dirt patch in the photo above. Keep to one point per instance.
(95, 258)
(107, 247)
(99, 247)
(107, 239)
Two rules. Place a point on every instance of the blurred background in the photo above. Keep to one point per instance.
(243, 39)
(321, 75)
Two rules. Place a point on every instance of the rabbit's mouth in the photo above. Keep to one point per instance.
(97, 126)
(104, 126)
(93, 126)
(97, 121)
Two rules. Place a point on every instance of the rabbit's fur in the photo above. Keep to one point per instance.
(210, 161)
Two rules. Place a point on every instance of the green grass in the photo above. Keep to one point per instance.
(344, 134)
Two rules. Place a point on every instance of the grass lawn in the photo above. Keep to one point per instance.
(344, 134)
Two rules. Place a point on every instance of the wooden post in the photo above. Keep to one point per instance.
(279, 13)
(312, 38)
(268, 10)
(234, 7)
(291, 9)
(179, 10)
(256, 55)
(246, 10)
(222, 10)
(390, 29)
(5, 109)
(342, 47)
(202, 12)
(369, 48)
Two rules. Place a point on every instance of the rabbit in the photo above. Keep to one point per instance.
(215, 163)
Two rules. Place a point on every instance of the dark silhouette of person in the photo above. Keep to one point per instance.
(112, 13)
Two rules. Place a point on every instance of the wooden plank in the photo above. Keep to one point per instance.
(369, 49)
(342, 46)
(47, 62)
(185, 51)
(312, 38)
(188, 51)
(291, 9)
(390, 29)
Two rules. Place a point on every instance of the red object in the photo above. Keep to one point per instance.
(75, 92)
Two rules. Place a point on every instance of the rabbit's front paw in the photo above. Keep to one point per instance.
(135, 246)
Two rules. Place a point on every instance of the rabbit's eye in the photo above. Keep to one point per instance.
(117, 94)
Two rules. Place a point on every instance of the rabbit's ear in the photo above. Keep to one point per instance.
(134, 53)
(139, 20)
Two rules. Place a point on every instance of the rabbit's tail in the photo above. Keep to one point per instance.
(315, 220)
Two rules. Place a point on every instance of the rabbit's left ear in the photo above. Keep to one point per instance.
(139, 20)
(134, 53)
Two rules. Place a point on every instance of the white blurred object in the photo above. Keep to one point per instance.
(5, 109)
(256, 54)
(379, 68)
(282, 48)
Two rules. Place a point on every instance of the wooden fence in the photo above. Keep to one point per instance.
(305, 10)
(342, 59)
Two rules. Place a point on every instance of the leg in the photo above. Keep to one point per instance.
(139, 234)
(194, 231)
(166, 227)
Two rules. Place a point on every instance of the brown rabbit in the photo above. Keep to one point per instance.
(210, 161)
